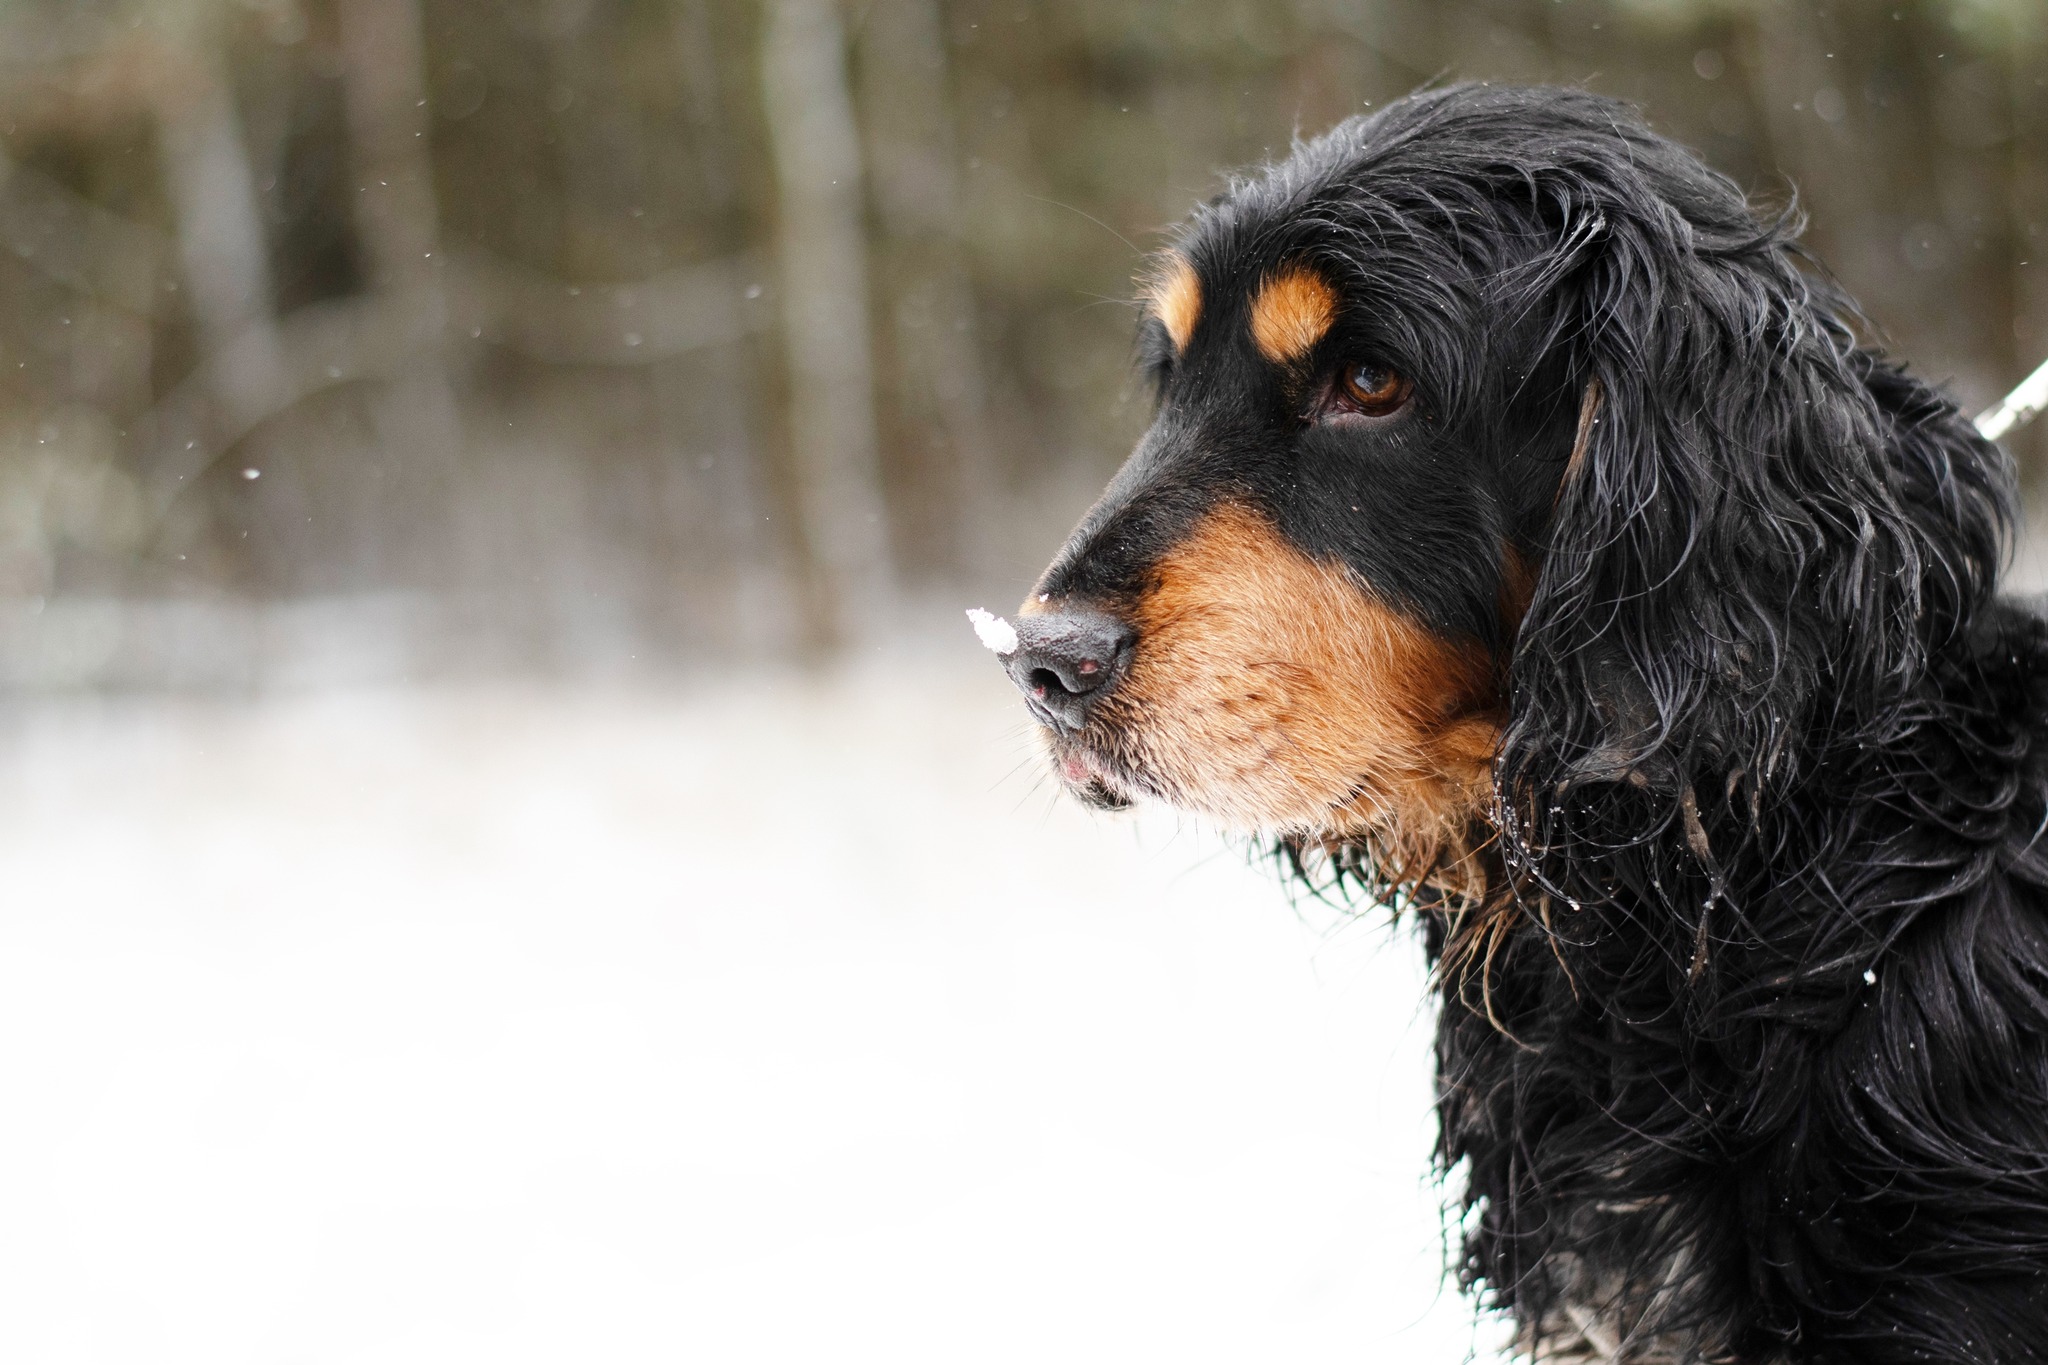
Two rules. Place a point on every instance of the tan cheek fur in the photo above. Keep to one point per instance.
(1292, 312)
(1175, 297)
(1272, 692)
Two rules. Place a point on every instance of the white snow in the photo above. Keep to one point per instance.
(522, 1025)
(993, 631)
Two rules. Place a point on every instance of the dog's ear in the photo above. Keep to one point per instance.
(1759, 533)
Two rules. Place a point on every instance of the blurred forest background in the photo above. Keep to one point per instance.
(406, 338)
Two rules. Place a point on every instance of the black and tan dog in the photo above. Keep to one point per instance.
(1524, 537)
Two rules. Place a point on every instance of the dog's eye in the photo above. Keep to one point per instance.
(1373, 389)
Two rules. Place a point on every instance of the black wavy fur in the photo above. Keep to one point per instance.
(1747, 1060)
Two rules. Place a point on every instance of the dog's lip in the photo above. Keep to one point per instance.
(1090, 776)
(1078, 766)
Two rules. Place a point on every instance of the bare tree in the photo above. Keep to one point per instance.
(219, 230)
(729, 471)
(822, 245)
(909, 120)
(417, 423)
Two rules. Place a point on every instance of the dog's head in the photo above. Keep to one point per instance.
(1502, 458)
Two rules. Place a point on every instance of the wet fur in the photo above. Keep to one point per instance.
(1744, 935)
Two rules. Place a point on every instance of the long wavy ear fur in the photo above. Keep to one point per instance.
(1762, 533)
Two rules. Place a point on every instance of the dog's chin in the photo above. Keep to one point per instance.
(1265, 801)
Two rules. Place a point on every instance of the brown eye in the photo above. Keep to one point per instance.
(1374, 390)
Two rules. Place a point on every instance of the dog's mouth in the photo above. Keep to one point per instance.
(1089, 777)
(1092, 774)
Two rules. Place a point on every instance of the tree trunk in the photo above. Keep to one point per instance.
(822, 243)
(910, 125)
(220, 240)
(417, 425)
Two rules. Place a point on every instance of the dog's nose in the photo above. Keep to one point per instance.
(1065, 662)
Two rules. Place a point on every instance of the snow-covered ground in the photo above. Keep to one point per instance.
(766, 1018)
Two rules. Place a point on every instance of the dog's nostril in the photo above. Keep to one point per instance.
(1086, 676)
(1066, 661)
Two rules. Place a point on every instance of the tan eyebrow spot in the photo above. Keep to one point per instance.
(1292, 312)
(1175, 295)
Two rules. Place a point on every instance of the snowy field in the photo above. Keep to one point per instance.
(766, 1018)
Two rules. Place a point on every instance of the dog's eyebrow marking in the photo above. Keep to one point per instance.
(1175, 294)
(1292, 312)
